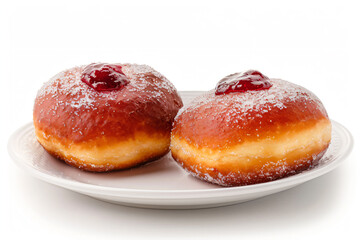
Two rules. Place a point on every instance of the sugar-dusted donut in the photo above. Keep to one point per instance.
(250, 129)
(105, 117)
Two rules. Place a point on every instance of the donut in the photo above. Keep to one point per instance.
(250, 129)
(103, 117)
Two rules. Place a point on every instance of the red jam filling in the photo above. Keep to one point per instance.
(104, 77)
(250, 80)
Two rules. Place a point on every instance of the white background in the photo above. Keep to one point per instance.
(194, 44)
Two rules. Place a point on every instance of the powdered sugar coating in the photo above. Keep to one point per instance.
(239, 105)
(252, 114)
(67, 103)
(69, 83)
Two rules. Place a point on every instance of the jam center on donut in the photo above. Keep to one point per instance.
(104, 77)
(242, 82)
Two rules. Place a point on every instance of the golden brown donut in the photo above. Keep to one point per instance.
(107, 129)
(234, 138)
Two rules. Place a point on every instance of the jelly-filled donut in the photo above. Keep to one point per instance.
(105, 117)
(250, 129)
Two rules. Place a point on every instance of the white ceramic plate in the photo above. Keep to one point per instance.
(160, 184)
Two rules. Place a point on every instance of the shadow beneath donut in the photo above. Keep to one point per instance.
(298, 207)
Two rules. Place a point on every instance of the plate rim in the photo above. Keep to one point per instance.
(169, 194)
